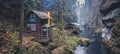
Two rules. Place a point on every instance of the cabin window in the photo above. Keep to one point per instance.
(33, 27)
(28, 25)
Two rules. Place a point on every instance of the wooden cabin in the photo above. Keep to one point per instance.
(35, 24)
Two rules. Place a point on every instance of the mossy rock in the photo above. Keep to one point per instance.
(84, 42)
(116, 50)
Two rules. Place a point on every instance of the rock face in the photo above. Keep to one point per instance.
(109, 5)
(110, 12)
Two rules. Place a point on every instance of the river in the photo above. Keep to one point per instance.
(96, 46)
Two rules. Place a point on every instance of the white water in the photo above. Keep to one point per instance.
(106, 34)
(77, 10)
(80, 50)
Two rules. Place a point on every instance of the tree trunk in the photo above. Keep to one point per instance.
(22, 19)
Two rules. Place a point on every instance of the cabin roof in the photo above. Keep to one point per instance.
(40, 14)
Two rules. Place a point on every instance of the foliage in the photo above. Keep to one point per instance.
(34, 48)
(60, 38)
(31, 4)
(14, 38)
(10, 44)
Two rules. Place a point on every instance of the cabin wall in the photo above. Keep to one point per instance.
(35, 32)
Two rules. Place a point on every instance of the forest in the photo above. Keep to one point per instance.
(59, 26)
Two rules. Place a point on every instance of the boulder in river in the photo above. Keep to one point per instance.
(84, 42)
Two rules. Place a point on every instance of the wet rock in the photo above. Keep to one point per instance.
(69, 26)
(110, 11)
(84, 42)
(108, 6)
(72, 28)
(110, 18)
(112, 15)
(108, 22)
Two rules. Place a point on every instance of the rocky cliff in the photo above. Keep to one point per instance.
(110, 14)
